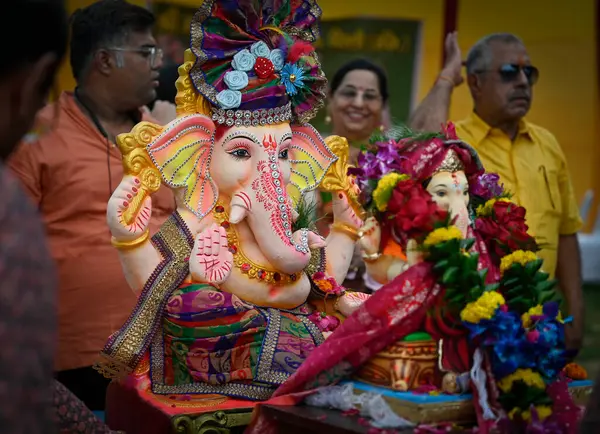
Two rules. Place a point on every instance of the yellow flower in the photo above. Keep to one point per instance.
(529, 377)
(486, 209)
(536, 311)
(518, 257)
(543, 412)
(385, 186)
(442, 235)
(483, 308)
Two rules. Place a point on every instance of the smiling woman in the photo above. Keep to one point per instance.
(357, 99)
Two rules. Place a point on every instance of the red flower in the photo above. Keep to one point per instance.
(505, 230)
(413, 212)
(263, 67)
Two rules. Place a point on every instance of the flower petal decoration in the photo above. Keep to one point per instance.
(236, 80)
(292, 77)
(229, 99)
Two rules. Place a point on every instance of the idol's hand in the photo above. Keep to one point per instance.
(370, 236)
(211, 260)
(129, 210)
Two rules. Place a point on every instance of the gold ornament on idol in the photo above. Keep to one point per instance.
(245, 264)
(336, 180)
(130, 245)
(137, 162)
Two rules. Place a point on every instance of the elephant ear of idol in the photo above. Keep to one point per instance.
(311, 158)
(182, 152)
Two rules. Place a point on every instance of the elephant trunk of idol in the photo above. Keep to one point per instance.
(460, 216)
(269, 216)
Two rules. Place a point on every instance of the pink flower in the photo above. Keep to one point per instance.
(533, 336)
(324, 322)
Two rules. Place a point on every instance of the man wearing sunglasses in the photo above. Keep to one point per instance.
(72, 166)
(527, 157)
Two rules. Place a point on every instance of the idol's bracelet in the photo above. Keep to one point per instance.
(130, 245)
(371, 257)
(346, 229)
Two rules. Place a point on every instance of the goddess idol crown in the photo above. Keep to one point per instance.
(255, 63)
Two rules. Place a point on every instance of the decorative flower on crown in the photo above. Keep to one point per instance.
(259, 56)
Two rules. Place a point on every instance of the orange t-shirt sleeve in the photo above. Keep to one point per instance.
(26, 165)
(393, 249)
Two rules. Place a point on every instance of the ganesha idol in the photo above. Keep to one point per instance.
(236, 289)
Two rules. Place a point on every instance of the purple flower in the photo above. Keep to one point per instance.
(373, 164)
(487, 186)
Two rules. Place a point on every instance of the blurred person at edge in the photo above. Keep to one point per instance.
(357, 107)
(31, 401)
(528, 158)
(173, 50)
(71, 171)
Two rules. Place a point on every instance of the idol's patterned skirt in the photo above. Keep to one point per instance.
(213, 342)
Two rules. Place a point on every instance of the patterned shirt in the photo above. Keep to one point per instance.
(28, 289)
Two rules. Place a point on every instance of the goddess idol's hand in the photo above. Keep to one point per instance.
(370, 237)
(129, 210)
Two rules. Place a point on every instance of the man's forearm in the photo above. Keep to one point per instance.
(433, 111)
(568, 272)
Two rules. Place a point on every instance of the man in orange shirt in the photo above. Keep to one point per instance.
(71, 171)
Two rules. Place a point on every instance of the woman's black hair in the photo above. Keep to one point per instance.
(365, 65)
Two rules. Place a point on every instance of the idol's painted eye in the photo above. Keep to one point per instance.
(284, 154)
(240, 154)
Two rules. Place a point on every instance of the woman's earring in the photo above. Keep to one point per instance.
(381, 128)
(327, 119)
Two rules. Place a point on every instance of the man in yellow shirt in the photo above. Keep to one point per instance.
(527, 157)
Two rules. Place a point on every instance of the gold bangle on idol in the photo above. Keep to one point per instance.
(348, 230)
(129, 245)
(371, 257)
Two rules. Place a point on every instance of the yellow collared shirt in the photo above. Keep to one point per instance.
(533, 168)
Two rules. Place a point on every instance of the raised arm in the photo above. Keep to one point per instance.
(433, 110)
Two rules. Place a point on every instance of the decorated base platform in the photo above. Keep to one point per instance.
(436, 408)
(142, 412)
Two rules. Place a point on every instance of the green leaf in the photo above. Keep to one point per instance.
(450, 275)
(545, 286)
(492, 287)
(441, 265)
(482, 274)
(472, 261)
(467, 244)
(533, 266)
(540, 276)
(547, 297)
(457, 299)
(510, 283)
(475, 292)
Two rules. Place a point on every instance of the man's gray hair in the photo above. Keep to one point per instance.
(480, 54)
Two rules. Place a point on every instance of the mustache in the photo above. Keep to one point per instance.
(520, 95)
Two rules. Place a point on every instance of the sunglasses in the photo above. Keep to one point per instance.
(510, 72)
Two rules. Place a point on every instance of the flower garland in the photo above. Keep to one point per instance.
(514, 320)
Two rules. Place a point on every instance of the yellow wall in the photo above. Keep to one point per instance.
(559, 35)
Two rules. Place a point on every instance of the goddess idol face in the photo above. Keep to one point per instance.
(449, 188)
